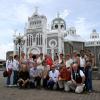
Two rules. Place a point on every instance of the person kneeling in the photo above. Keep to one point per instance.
(53, 78)
(35, 76)
(24, 77)
(64, 77)
(77, 80)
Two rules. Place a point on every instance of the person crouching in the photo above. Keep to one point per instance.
(53, 78)
(77, 80)
(24, 77)
(64, 77)
(35, 76)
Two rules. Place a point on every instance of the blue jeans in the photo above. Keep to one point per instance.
(88, 82)
(8, 80)
(50, 84)
(15, 77)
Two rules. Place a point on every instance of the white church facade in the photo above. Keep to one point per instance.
(38, 38)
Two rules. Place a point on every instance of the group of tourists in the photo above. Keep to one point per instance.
(70, 72)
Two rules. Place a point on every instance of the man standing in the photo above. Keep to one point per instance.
(15, 69)
(82, 62)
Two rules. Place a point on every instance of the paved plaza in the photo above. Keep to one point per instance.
(34, 94)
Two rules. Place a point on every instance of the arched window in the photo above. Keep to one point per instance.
(27, 40)
(62, 26)
(92, 36)
(99, 57)
(56, 26)
(39, 40)
(31, 40)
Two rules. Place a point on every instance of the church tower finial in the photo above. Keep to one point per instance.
(36, 10)
(58, 14)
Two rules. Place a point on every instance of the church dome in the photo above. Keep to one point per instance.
(58, 23)
(94, 34)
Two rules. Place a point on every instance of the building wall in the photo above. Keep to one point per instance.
(9, 53)
(96, 51)
(69, 47)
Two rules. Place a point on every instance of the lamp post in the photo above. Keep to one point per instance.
(19, 42)
(52, 44)
(71, 46)
(70, 43)
(95, 62)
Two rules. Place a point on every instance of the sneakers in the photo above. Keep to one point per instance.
(11, 85)
(90, 91)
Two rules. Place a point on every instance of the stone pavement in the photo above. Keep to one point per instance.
(34, 94)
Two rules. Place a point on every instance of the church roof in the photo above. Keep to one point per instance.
(91, 39)
(58, 19)
(74, 38)
(2, 60)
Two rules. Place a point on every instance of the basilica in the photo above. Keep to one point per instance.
(56, 39)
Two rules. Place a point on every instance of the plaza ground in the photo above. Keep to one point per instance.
(34, 94)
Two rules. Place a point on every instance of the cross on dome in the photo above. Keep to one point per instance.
(58, 14)
(36, 10)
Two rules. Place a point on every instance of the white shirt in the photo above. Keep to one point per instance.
(81, 73)
(54, 75)
(9, 64)
(15, 65)
(69, 62)
(30, 63)
(39, 61)
(82, 62)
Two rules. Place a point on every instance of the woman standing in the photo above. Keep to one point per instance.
(88, 74)
(9, 66)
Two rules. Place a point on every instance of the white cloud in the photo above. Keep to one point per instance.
(21, 13)
(65, 13)
(4, 48)
(5, 32)
(36, 1)
(6, 35)
(83, 27)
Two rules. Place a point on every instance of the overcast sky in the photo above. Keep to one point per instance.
(82, 14)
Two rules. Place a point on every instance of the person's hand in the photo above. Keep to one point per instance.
(23, 84)
(20, 80)
(44, 76)
(50, 78)
(59, 78)
(73, 81)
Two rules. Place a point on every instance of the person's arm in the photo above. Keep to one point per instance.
(7, 65)
(72, 77)
(73, 81)
(14, 65)
(83, 76)
(50, 76)
(58, 73)
(78, 60)
(31, 73)
(20, 76)
(27, 78)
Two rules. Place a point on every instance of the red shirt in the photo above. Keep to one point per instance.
(65, 74)
(49, 61)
